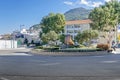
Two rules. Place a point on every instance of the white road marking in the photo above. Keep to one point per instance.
(2, 78)
(109, 61)
(15, 54)
(98, 56)
(50, 64)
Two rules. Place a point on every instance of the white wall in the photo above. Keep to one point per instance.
(75, 29)
(7, 44)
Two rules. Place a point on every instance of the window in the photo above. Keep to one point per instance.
(70, 31)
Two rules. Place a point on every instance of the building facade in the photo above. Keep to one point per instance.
(30, 35)
(74, 27)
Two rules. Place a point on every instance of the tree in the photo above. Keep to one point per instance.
(32, 42)
(54, 22)
(7, 36)
(62, 38)
(109, 17)
(86, 36)
(106, 16)
(97, 17)
(79, 38)
(25, 41)
(50, 36)
(44, 38)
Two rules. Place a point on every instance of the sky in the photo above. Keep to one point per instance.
(25, 13)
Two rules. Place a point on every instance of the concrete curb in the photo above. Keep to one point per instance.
(41, 52)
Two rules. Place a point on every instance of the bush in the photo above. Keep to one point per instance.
(37, 44)
(52, 49)
(71, 46)
(39, 47)
(103, 46)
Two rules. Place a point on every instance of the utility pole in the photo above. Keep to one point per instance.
(21, 27)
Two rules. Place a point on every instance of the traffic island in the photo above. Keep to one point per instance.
(67, 52)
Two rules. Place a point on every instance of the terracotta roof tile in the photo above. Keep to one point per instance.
(78, 22)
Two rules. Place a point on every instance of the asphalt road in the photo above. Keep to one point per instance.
(31, 67)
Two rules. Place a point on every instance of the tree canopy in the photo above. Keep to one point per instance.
(50, 36)
(86, 36)
(54, 22)
(106, 16)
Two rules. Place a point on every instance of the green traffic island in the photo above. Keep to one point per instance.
(70, 51)
(57, 49)
(79, 50)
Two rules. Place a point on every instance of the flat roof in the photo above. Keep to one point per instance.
(87, 21)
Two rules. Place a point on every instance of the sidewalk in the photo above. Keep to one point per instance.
(15, 50)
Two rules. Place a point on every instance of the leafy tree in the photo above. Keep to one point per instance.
(96, 17)
(50, 36)
(44, 38)
(25, 41)
(79, 38)
(106, 16)
(54, 22)
(86, 36)
(32, 42)
(7, 36)
(62, 38)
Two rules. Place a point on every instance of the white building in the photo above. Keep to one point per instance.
(73, 27)
(24, 33)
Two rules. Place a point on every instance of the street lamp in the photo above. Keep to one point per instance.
(21, 27)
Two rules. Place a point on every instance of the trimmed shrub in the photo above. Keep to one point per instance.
(103, 46)
(39, 47)
(52, 49)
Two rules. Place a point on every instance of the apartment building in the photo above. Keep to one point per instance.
(74, 27)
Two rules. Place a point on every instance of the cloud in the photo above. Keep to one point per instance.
(96, 4)
(91, 3)
(87, 3)
(68, 3)
(84, 2)
(107, 0)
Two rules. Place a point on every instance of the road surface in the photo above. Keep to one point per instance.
(34, 67)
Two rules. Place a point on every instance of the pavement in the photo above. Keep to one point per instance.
(19, 64)
(39, 67)
(14, 50)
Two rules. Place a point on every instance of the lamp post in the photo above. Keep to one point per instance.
(21, 27)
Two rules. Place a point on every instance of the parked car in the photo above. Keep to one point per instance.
(116, 49)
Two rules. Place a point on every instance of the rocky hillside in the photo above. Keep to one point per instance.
(77, 14)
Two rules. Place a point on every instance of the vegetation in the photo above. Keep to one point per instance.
(103, 46)
(52, 26)
(86, 36)
(53, 22)
(26, 41)
(62, 38)
(32, 42)
(77, 14)
(7, 36)
(106, 17)
(49, 37)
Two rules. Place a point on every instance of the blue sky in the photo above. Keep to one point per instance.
(14, 13)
